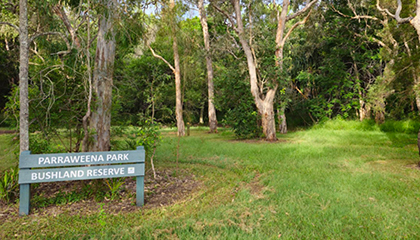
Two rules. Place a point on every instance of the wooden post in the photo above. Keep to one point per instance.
(140, 187)
(25, 194)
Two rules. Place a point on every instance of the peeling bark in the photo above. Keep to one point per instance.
(100, 120)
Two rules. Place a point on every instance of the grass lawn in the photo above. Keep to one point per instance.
(315, 184)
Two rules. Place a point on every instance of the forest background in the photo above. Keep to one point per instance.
(96, 64)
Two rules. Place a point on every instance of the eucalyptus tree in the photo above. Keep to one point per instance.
(100, 120)
(209, 66)
(264, 90)
(170, 16)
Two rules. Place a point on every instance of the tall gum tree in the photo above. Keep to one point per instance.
(176, 69)
(209, 66)
(264, 96)
(103, 72)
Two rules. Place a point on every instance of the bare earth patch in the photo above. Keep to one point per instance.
(7, 132)
(168, 188)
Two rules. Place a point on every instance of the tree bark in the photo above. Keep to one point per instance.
(177, 72)
(100, 120)
(209, 65)
(415, 22)
(267, 115)
(23, 76)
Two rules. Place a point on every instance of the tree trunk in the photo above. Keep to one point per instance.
(102, 80)
(415, 22)
(201, 115)
(280, 41)
(179, 118)
(362, 111)
(267, 116)
(23, 76)
(177, 72)
(282, 120)
(209, 65)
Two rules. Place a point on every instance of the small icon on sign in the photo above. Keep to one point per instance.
(131, 170)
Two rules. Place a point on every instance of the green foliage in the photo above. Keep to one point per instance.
(114, 185)
(146, 135)
(145, 86)
(244, 120)
(9, 186)
(40, 144)
(94, 189)
(235, 99)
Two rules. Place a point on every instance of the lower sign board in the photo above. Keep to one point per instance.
(38, 168)
(80, 173)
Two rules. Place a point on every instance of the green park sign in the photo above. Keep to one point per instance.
(37, 168)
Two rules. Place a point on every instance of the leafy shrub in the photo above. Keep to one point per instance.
(38, 144)
(244, 120)
(9, 186)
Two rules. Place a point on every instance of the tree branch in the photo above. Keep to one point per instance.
(52, 33)
(58, 10)
(161, 58)
(379, 42)
(356, 17)
(397, 12)
(232, 22)
(11, 25)
(301, 11)
(295, 26)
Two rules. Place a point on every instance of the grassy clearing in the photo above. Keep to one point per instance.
(331, 182)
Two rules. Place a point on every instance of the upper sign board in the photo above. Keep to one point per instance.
(77, 159)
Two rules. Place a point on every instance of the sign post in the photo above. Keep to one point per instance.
(37, 168)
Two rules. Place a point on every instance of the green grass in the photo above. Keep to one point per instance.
(342, 180)
(9, 148)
